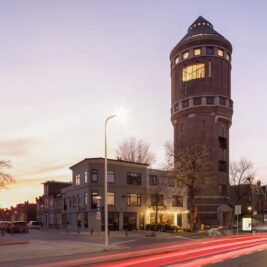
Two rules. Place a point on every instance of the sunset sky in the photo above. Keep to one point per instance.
(67, 65)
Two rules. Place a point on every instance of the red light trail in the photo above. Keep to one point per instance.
(187, 253)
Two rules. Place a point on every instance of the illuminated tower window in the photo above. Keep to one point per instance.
(197, 51)
(192, 72)
(220, 53)
(185, 55)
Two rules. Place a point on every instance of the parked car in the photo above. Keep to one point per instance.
(17, 227)
(34, 225)
(3, 225)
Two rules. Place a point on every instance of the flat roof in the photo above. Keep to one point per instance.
(112, 160)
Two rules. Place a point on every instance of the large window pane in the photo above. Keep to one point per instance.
(134, 178)
(192, 72)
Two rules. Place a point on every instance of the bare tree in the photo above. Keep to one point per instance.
(5, 178)
(241, 173)
(192, 168)
(169, 156)
(160, 191)
(135, 150)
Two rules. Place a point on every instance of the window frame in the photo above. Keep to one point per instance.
(153, 179)
(210, 51)
(185, 55)
(222, 142)
(176, 200)
(130, 177)
(94, 194)
(220, 52)
(77, 179)
(94, 173)
(85, 199)
(109, 172)
(85, 177)
(153, 200)
(195, 50)
(193, 71)
(113, 196)
(138, 200)
(222, 166)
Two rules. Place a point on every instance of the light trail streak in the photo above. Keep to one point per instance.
(181, 249)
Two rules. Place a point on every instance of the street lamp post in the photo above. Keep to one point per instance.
(106, 184)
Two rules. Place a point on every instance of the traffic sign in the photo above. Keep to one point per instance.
(237, 209)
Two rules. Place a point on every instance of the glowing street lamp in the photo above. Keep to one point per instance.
(106, 184)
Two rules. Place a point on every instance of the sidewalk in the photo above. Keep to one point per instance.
(141, 234)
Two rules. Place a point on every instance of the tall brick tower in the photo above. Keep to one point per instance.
(201, 111)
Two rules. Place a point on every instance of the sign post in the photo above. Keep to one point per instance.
(98, 211)
(237, 212)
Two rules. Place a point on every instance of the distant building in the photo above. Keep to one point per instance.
(252, 198)
(24, 212)
(50, 204)
(202, 108)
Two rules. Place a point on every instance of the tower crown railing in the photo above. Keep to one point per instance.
(200, 101)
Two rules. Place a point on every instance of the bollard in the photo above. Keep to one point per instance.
(92, 231)
(126, 232)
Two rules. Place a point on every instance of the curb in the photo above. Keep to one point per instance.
(14, 243)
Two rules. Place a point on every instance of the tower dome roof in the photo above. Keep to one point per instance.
(201, 27)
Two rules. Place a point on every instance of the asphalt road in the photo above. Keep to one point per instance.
(54, 248)
(43, 246)
(257, 259)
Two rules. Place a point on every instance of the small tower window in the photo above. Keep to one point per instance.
(222, 166)
(177, 60)
(185, 103)
(222, 142)
(210, 51)
(222, 101)
(197, 51)
(220, 53)
(228, 56)
(185, 55)
(197, 101)
(210, 100)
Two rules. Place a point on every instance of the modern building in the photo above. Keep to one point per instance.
(128, 196)
(201, 110)
(84, 199)
(166, 202)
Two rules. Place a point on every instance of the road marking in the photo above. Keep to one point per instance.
(235, 256)
(122, 242)
(217, 261)
(182, 237)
